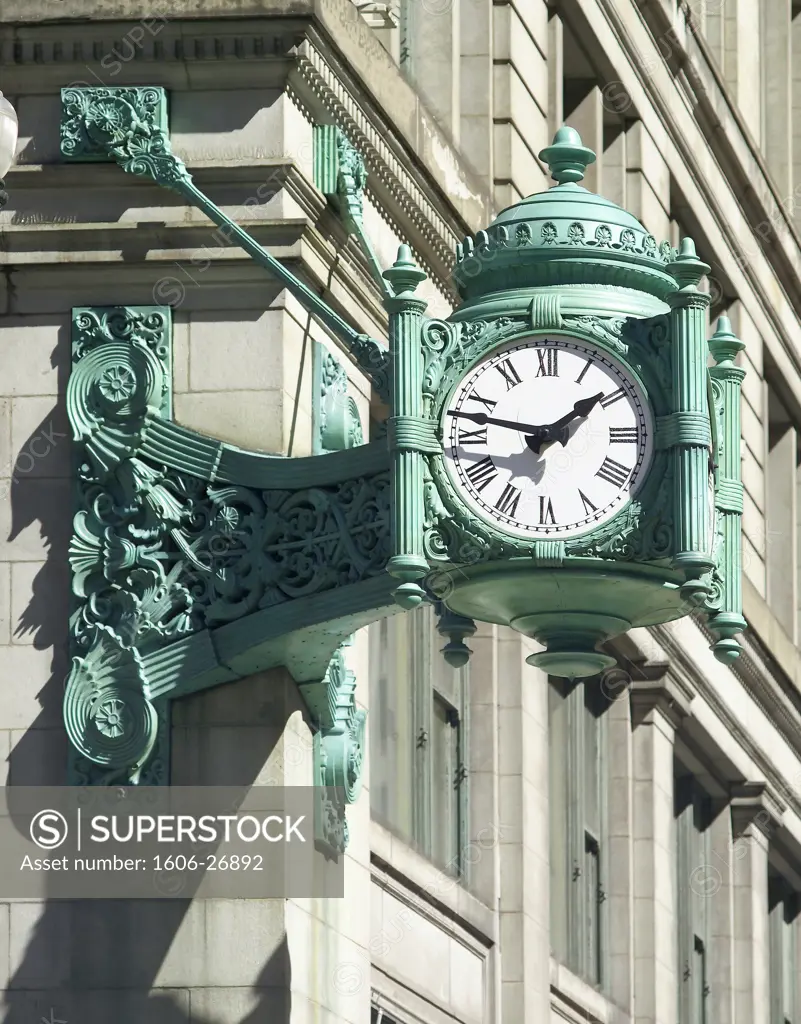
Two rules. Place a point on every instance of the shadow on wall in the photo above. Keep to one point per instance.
(95, 961)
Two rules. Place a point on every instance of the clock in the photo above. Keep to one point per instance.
(547, 437)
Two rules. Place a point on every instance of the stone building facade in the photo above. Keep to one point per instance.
(625, 850)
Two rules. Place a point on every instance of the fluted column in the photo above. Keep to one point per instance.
(727, 381)
(407, 433)
(692, 434)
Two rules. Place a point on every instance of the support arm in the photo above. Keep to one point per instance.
(113, 124)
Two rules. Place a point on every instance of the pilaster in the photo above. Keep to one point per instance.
(754, 815)
(524, 842)
(658, 706)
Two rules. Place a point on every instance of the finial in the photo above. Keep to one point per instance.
(687, 269)
(724, 344)
(566, 157)
(404, 275)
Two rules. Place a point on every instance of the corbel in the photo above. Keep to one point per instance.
(755, 803)
(663, 692)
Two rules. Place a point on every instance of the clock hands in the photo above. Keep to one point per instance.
(582, 408)
(556, 432)
(537, 435)
(482, 419)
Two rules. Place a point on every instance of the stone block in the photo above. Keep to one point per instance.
(753, 478)
(754, 565)
(41, 438)
(513, 42)
(35, 353)
(97, 1007)
(230, 756)
(227, 942)
(514, 952)
(476, 96)
(249, 419)
(180, 351)
(39, 129)
(38, 757)
(32, 686)
(227, 1005)
(754, 525)
(227, 124)
(416, 949)
(514, 100)
(753, 432)
(535, 753)
(38, 587)
(514, 159)
(468, 983)
(646, 206)
(642, 155)
(510, 808)
(241, 354)
(265, 698)
(510, 741)
(6, 456)
(475, 138)
(5, 602)
(33, 523)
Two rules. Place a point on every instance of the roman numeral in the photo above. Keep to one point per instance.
(548, 365)
(613, 472)
(546, 511)
(481, 473)
(473, 436)
(509, 374)
(623, 435)
(615, 396)
(583, 374)
(588, 505)
(507, 504)
(484, 401)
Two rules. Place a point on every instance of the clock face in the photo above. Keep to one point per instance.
(547, 438)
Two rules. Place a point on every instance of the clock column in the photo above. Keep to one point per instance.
(691, 435)
(408, 433)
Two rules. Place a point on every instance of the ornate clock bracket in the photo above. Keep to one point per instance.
(196, 563)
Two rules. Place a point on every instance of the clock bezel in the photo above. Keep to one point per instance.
(642, 529)
(645, 457)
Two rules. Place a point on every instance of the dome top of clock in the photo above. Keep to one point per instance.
(566, 235)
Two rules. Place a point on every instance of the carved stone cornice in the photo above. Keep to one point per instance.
(431, 211)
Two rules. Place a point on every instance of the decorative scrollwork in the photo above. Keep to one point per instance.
(109, 718)
(338, 425)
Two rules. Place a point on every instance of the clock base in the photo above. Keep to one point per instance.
(571, 640)
(570, 611)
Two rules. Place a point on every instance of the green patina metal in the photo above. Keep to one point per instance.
(340, 174)
(198, 563)
(336, 422)
(90, 116)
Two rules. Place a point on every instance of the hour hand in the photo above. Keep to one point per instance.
(582, 408)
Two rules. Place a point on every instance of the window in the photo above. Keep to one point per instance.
(693, 815)
(418, 775)
(782, 911)
(577, 752)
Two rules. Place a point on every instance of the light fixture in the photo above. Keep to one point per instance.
(9, 128)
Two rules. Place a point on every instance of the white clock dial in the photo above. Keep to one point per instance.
(547, 438)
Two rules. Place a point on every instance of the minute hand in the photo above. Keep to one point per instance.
(481, 418)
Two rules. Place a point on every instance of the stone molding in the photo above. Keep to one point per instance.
(755, 803)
